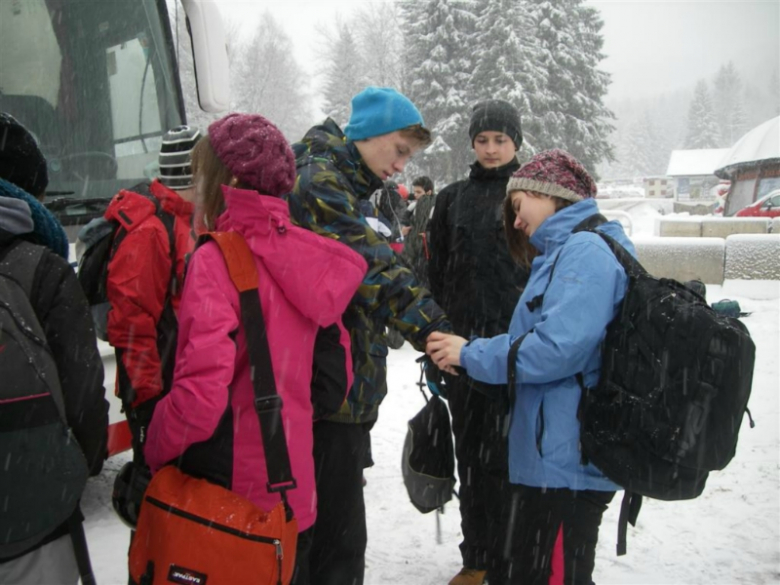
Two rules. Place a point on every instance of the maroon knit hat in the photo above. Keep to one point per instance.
(554, 172)
(255, 151)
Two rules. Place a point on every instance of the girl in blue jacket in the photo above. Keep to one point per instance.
(560, 320)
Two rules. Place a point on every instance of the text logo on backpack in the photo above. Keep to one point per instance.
(43, 470)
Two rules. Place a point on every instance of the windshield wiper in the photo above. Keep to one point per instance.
(88, 202)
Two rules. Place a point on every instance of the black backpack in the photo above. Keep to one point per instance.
(673, 388)
(43, 470)
(96, 244)
(428, 459)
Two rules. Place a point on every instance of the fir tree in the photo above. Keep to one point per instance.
(271, 80)
(702, 126)
(343, 76)
(376, 27)
(571, 114)
(727, 104)
(438, 58)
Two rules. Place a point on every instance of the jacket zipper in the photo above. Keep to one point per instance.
(222, 528)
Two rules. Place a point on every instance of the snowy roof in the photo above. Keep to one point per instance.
(692, 163)
(762, 143)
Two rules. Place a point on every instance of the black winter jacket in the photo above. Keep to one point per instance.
(63, 312)
(472, 275)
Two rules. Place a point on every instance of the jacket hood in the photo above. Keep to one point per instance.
(328, 141)
(46, 230)
(556, 229)
(130, 208)
(298, 260)
(15, 216)
(480, 173)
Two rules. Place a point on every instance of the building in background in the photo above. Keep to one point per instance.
(752, 165)
(693, 172)
(658, 187)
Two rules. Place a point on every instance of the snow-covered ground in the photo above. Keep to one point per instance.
(730, 535)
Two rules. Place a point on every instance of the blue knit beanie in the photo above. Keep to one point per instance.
(380, 110)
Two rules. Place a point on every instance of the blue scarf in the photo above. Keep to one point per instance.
(47, 231)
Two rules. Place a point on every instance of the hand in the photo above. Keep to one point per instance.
(444, 350)
(405, 230)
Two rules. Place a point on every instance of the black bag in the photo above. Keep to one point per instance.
(428, 459)
(673, 388)
(43, 470)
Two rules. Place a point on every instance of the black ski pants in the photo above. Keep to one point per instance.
(530, 528)
(481, 452)
(338, 548)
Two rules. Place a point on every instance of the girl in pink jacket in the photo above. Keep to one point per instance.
(207, 424)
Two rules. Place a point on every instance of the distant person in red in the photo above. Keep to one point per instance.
(416, 234)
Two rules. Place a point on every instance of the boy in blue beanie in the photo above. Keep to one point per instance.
(337, 171)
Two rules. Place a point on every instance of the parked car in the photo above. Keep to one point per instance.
(767, 206)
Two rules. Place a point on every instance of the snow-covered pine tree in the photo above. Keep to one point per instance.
(380, 37)
(727, 105)
(507, 63)
(439, 65)
(270, 80)
(643, 151)
(571, 113)
(343, 75)
(702, 126)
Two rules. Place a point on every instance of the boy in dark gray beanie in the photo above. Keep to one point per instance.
(496, 115)
(474, 279)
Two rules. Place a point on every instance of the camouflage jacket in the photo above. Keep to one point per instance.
(331, 179)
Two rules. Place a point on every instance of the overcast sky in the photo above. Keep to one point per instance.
(651, 47)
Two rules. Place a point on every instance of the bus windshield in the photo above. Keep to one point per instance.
(97, 84)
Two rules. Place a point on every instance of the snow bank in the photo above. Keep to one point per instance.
(728, 535)
(722, 227)
(683, 258)
(750, 289)
(753, 257)
(681, 225)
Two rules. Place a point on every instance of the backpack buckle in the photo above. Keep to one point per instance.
(268, 403)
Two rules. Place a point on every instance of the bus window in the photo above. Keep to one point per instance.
(97, 84)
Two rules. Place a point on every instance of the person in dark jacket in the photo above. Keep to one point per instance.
(475, 281)
(416, 247)
(335, 171)
(391, 210)
(63, 312)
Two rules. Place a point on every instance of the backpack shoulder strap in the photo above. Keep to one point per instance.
(268, 404)
(590, 224)
(167, 219)
(19, 261)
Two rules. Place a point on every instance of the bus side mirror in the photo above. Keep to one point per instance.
(209, 51)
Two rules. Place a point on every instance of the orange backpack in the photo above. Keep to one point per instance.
(194, 532)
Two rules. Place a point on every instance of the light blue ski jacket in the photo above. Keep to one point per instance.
(562, 338)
